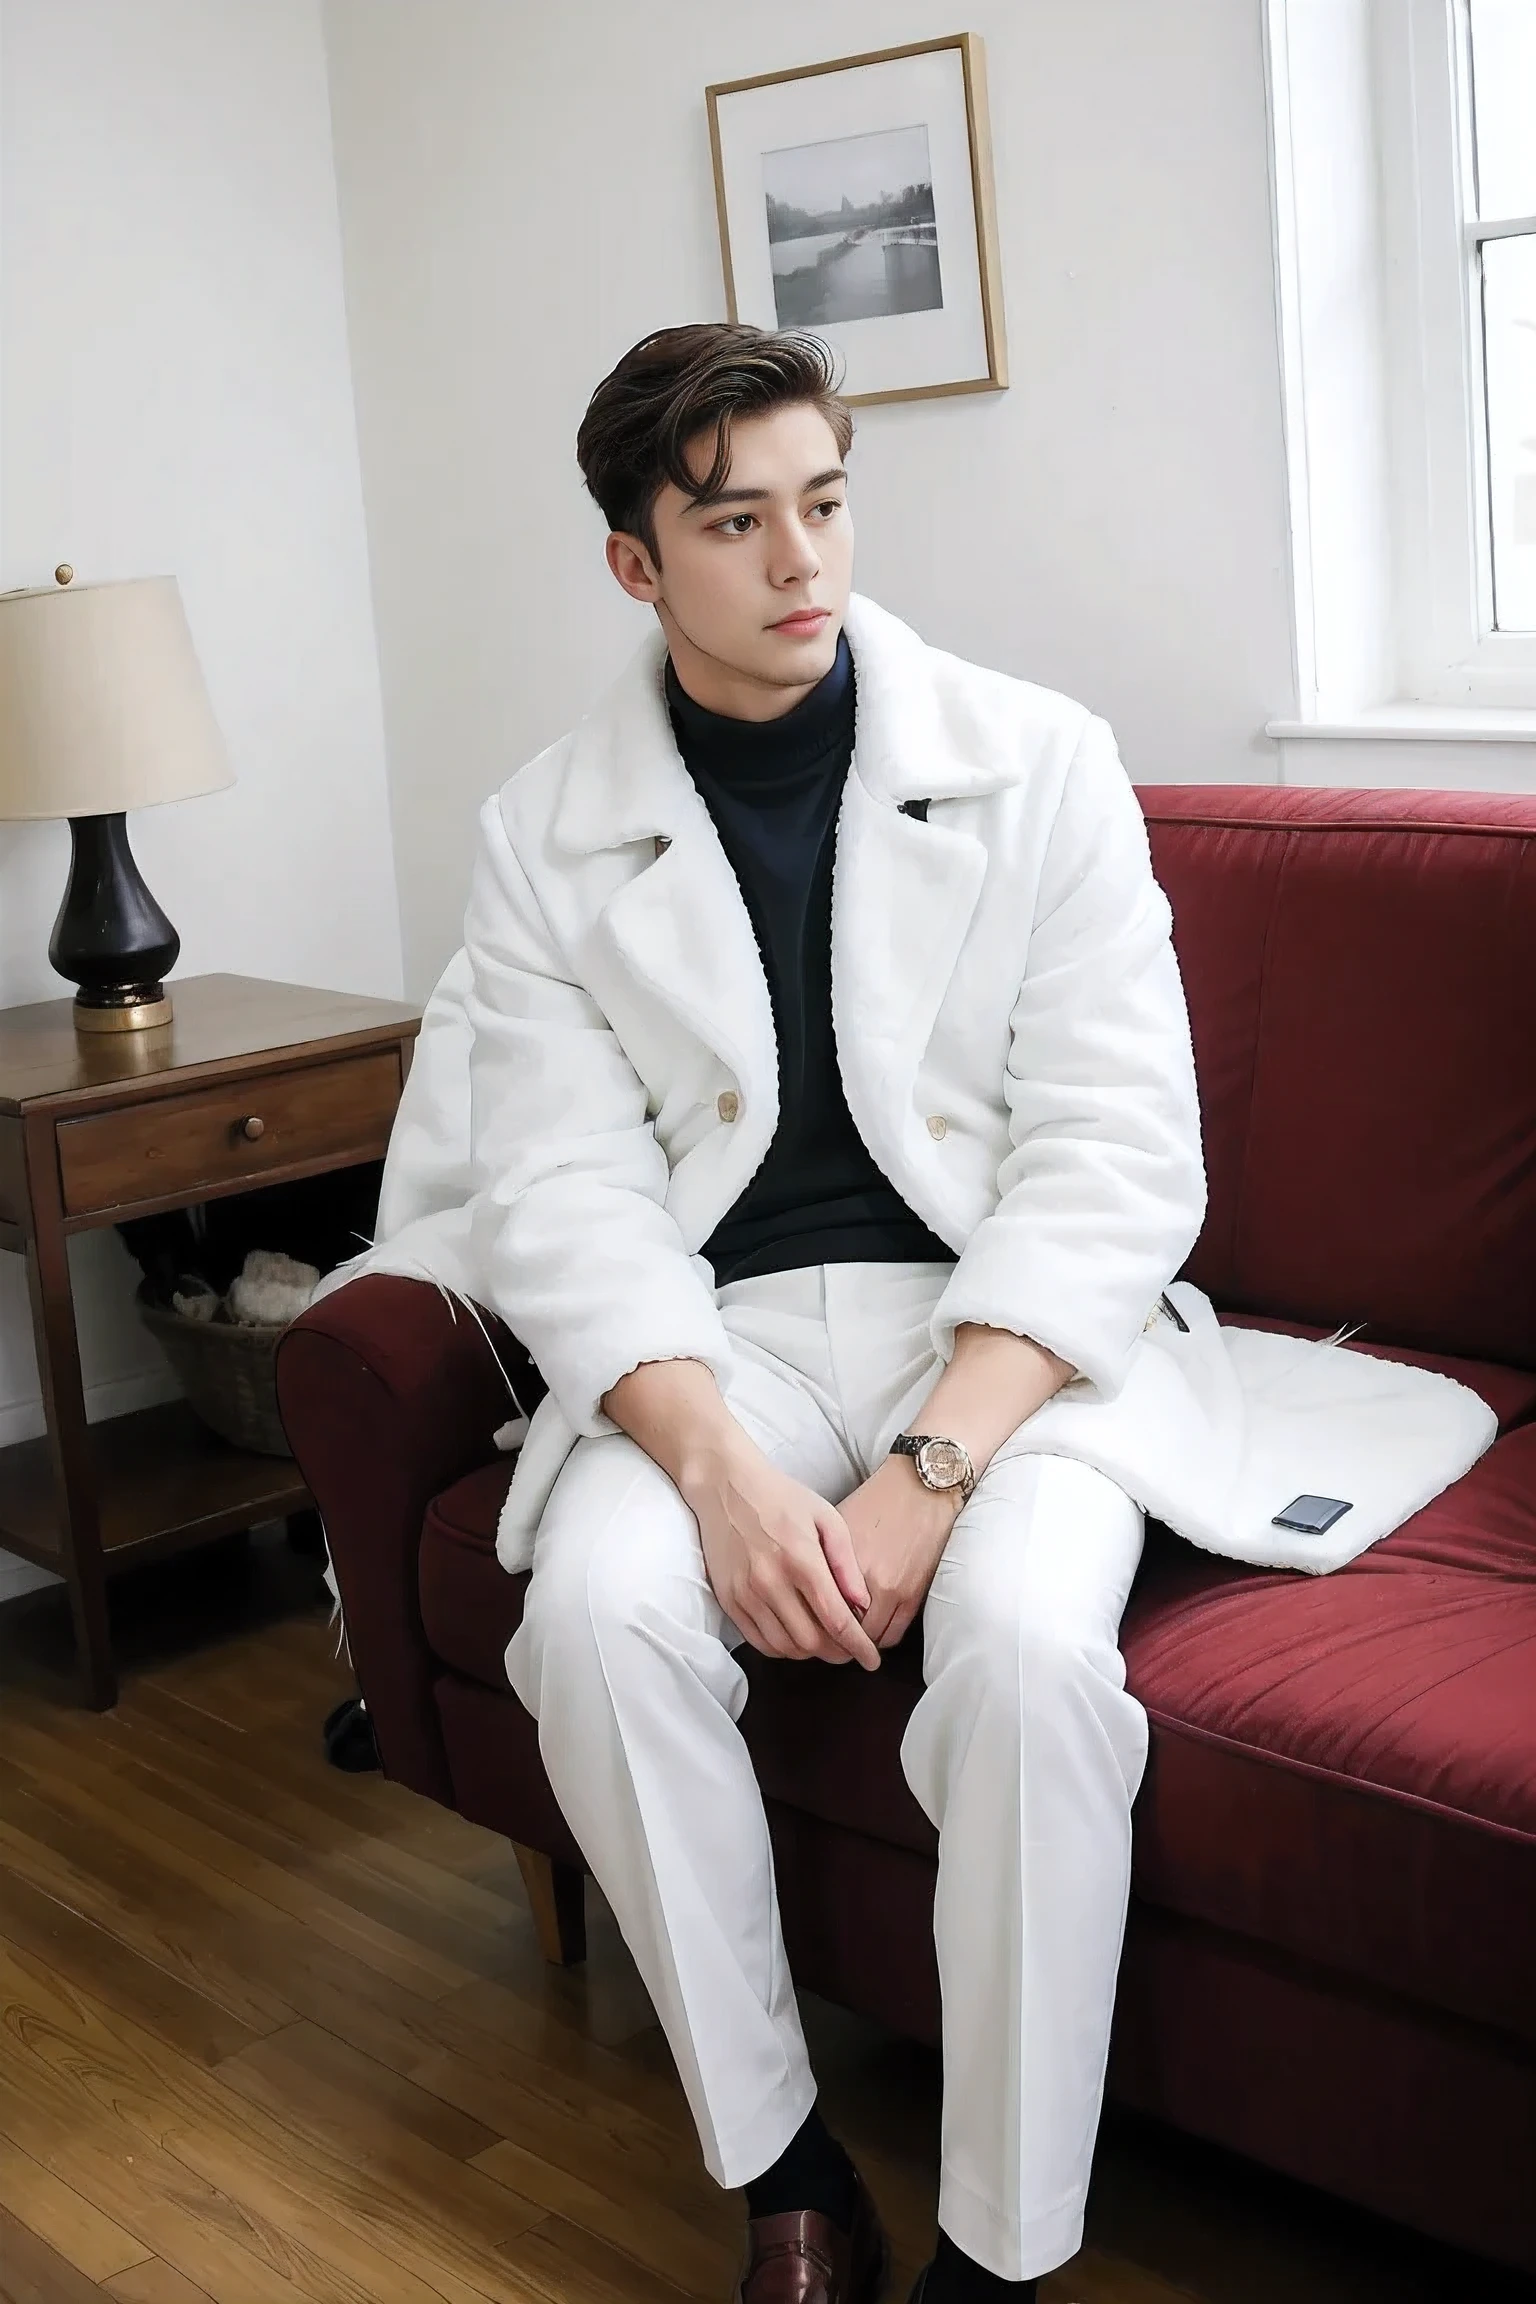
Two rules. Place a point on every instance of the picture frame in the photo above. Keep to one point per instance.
(855, 199)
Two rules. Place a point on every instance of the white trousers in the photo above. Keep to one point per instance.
(1024, 1750)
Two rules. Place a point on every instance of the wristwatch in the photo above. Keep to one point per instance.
(940, 1464)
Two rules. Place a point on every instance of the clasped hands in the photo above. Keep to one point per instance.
(802, 1577)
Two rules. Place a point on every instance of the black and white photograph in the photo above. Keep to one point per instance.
(852, 229)
(855, 199)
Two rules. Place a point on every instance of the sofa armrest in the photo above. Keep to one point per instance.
(389, 1393)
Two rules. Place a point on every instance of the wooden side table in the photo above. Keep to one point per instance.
(250, 1084)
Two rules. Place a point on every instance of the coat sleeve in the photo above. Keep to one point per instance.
(1102, 1193)
(571, 1240)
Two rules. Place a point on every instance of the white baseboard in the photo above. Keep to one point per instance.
(18, 1576)
(117, 1396)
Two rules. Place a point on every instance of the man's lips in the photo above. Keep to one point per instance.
(803, 620)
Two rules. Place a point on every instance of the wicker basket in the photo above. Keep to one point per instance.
(228, 1372)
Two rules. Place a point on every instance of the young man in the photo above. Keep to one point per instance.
(814, 1098)
(939, 1103)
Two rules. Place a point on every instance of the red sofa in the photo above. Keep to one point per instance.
(1331, 1958)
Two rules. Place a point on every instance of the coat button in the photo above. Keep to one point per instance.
(727, 1103)
(938, 1126)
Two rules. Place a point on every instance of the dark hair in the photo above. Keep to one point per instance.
(680, 382)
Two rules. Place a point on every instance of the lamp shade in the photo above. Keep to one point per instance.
(102, 701)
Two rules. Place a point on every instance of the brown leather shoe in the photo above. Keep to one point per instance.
(802, 2257)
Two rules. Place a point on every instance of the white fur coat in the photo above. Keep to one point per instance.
(597, 1082)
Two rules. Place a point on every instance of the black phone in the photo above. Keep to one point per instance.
(1311, 1514)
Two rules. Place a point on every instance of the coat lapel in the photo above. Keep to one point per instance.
(902, 898)
(682, 932)
(905, 889)
(677, 926)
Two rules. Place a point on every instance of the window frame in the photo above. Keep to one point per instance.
(1450, 652)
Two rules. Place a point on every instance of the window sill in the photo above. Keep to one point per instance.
(1413, 724)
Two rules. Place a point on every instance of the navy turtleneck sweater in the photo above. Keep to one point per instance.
(773, 788)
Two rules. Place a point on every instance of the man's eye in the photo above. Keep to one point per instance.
(829, 505)
(738, 524)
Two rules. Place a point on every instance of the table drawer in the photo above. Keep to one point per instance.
(232, 1134)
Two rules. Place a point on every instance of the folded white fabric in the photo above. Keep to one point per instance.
(1220, 1427)
(271, 1290)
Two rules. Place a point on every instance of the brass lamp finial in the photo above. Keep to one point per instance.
(63, 574)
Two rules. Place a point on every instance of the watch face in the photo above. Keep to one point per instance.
(941, 1464)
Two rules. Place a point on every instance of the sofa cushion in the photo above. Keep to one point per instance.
(1345, 1766)
(827, 1738)
(470, 1606)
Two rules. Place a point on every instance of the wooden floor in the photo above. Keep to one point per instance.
(278, 2035)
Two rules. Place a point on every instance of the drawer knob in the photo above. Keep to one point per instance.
(254, 1128)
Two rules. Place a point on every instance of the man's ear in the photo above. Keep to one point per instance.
(633, 567)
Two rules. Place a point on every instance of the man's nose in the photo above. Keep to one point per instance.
(795, 557)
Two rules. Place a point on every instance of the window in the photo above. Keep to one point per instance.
(1404, 149)
(1500, 136)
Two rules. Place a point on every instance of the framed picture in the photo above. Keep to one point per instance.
(856, 200)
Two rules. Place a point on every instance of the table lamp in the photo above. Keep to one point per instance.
(103, 709)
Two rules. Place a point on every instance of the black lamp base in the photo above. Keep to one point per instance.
(111, 937)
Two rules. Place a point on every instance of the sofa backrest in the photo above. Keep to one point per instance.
(1361, 974)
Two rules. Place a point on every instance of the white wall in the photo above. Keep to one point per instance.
(525, 190)
(175, 395)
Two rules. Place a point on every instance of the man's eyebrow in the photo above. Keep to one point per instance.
(759, 495)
